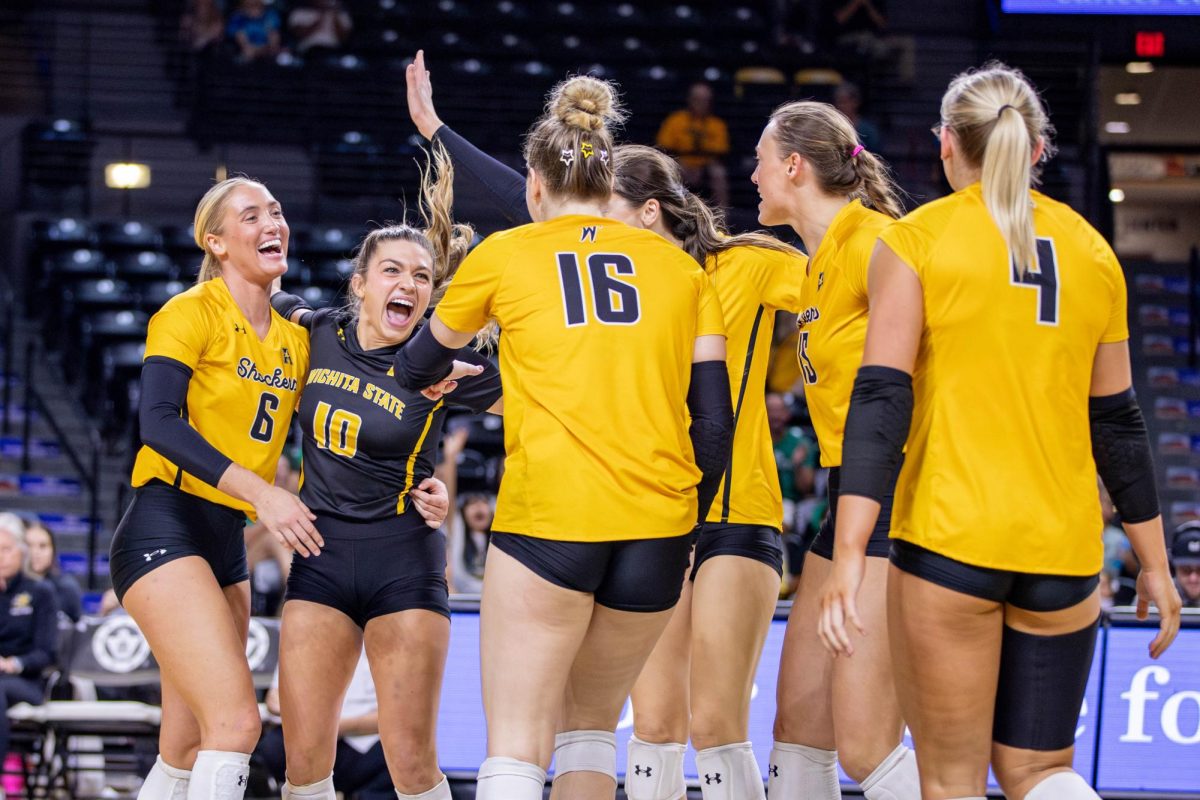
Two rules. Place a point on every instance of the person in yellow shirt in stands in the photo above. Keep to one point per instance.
(698, 139)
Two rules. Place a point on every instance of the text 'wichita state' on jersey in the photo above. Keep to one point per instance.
(243, 389)
(599, 324)
(999, 471)
(833, 322)
(368, 442)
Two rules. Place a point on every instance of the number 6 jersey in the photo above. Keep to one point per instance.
(999, 471)
(242, 391)
(598, 324)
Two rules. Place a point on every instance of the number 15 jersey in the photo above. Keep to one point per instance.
(598, 323)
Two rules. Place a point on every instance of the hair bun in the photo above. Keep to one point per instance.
(586, 103)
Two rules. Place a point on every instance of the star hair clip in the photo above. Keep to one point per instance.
(603, 156)
(568, 156)
(586, 150)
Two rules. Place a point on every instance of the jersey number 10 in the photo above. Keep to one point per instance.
(614, 301)
(336, 432)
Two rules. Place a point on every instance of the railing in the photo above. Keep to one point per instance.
(1193, 304)
(89, 475)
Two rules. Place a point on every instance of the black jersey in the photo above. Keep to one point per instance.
(368, 442)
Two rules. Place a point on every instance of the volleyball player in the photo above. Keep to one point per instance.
(221, 378)
(601, 324)
(714, 640)
(381, 575)
(814, 175)
(998, 333)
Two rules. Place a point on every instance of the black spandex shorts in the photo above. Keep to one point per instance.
(878, 545)
(369, 569)
(756, 542)
(631, 575)
(164, 523)
(1030, 591)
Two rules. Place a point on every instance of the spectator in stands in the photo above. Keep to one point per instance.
(861, 26)
(1185, 557)
(359, 767)
(255, 29)
(28, 624)
(847, 98)
(698, 139)
(795, 456)
(470, 530)
(202, 26)
(319, 26)
(43, 563)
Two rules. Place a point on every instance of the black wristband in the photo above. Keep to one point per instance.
(1121, 447)
(877, 424)
(423, 361)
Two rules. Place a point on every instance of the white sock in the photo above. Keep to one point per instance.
(1067, 785)
(895, 778)
(317, 790)
(165, 782)
(729, 772)
(503, 778)
(441, 791)
(799, 772)
(219, 775)
(655, 771)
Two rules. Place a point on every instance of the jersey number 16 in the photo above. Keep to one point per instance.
(614, 301)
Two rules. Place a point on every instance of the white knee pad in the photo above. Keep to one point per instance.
(799, 772)
(729, 772)
(219, 775)
(318, 790)
(654, 771)
(165, 782)
(586, 751)
(1063, 786)
(439, 792)
(895, 778)
(503, 778)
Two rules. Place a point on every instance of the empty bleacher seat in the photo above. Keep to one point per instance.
(153, 295)
(99, 294)
(324, 240)
(146, 265)
(129, 235)
(64, 232)
(78, 263)
(178, 239)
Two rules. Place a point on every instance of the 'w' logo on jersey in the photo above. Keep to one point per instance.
(588, 233)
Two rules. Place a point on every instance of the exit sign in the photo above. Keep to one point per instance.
(1150, 44)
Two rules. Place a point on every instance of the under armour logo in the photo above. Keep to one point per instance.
(154, 553)
(287, 357)
(638, 769)
(238, 328)
(773, 770)
(714, 778)
(820, 280)
(241, 780)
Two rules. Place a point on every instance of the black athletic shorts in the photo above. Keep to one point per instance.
(756, 542)
(164, 523)
(630, 575)
(369, 569)
(877, 546)
(1030, 591)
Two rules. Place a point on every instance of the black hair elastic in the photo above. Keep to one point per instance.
(1001, 111)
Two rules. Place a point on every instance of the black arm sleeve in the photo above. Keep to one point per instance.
(710, 404)
(163, 427)
(1121, 448)
(45, 632)
(498, 185)
(478, 392)
(881, 408)
(287, 304)
(422, 361)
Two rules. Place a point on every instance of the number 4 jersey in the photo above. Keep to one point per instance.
(599, 322)
(243, 389)
(367, 442)
(999, 471)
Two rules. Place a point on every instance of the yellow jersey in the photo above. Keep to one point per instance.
(752, 283)
(694, 141)
(999, 470)
(599, 321)
(833, 322)
(243, 389)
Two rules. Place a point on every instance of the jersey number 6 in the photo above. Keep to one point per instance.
(615, 302)
(263, 428)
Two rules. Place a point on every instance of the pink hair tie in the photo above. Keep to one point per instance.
(857, 149)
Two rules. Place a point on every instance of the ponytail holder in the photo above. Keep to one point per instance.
(1002, 108)
(857, 149)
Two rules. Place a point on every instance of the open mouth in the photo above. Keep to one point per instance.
(399, 312)
(273, 247)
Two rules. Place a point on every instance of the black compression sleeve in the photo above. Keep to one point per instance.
(711, 431)
(287, 304)
(163, 428)
(881, 407)
(423, 361)
(1121, 448)
(500, 186)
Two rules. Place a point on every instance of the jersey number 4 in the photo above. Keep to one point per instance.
(614, 301)
(336, 432)
(1044, 280)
